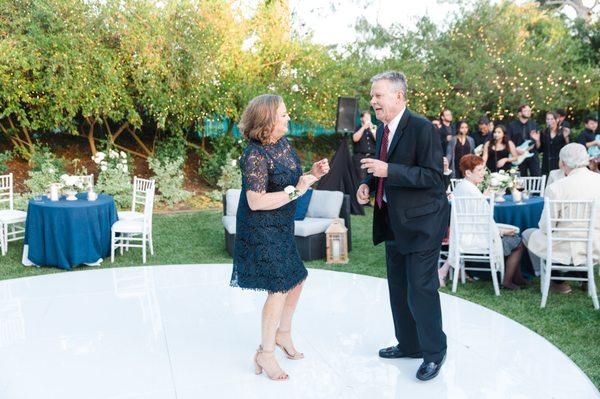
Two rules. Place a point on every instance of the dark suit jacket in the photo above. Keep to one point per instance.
(415, 190)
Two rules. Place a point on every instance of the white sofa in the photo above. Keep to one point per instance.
(324, 206)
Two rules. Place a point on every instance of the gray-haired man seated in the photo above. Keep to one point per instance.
(578, 184)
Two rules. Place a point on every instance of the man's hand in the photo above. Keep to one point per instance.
(362, 195)
(376, 167)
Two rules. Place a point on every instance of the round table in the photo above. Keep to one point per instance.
(524, 215)
(68, 233)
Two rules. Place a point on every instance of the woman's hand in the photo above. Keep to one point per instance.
(502, 162)
(446, 165)
(535, 135)
(305, 182)
(320, 168)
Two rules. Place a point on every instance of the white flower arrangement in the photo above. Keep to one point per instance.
(70, 183)
(501, 180)
(99, 157)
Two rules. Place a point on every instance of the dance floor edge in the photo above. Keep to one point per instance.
(179, 332)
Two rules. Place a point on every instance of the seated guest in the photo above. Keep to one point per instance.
(483, 134)
(579, 184)
(459, 146)
(555, 175)
(498, 152)
(506, 242)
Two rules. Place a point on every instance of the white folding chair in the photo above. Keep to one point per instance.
(569, 221)
(453, 183)
(9, 217)
(141, 188)
(473, 218)
(535, 184)
(134, 231)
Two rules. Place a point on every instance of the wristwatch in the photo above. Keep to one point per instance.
(292, 192)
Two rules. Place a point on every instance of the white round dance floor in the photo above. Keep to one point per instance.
(181, 332)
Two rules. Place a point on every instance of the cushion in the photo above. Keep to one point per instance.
(325, 204)
(12, 215)
(302, 205)
(128, 226)
(232, 196)
(229, 223)
(311, 226)
(129, 215)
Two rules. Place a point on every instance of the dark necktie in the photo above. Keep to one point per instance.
(382, 157)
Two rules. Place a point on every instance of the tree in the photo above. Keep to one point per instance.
(583, 11)
(492, 58)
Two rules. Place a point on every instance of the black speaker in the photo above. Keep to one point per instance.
(347, 112)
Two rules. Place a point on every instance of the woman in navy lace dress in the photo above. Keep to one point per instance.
(265, 253)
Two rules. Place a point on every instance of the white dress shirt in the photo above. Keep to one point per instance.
(393, 125)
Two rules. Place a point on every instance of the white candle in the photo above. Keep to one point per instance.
(335, 249)
(53, 192)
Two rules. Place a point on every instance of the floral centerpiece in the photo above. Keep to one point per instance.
(499, 182)
(71, 185)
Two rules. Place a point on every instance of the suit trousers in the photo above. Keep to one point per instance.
(413, 284)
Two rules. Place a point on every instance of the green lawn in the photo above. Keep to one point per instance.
(569, 321)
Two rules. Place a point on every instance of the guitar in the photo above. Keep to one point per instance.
(594, 151)
(526, 146)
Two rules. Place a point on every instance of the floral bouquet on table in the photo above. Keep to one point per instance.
(71, 185)
(498, 182)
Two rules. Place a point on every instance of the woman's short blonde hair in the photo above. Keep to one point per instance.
(260, 117)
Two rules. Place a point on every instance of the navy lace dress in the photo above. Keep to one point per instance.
(265, 253)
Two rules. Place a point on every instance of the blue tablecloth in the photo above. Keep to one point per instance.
(68, 233)
(524, 215)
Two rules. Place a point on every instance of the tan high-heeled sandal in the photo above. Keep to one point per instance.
(295, 356)
(279, 375)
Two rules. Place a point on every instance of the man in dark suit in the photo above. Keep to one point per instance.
(411, 216)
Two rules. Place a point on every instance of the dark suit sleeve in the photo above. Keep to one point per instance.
(428, 171)
(370, 181)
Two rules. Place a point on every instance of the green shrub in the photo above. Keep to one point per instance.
(115, 176)
(231, 177)
(223, 148)
(169, 180)
(172, 148)
(45, 169)
(4, 158)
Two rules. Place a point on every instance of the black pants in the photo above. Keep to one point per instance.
(531, 166)
(413, 283)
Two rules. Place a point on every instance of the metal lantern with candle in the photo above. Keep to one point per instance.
(336, 236)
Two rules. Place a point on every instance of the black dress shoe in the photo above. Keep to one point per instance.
(430, 370)
(393, 352)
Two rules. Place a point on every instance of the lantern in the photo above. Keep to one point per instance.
(336, 236)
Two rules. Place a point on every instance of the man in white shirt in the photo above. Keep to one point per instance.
(579, 183)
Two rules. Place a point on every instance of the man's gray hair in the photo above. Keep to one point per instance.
(397, 79)
(574, 155)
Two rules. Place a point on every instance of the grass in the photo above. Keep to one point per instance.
(569, 321)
